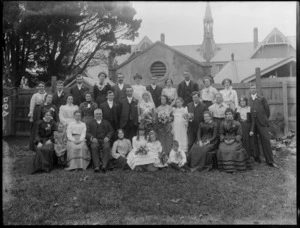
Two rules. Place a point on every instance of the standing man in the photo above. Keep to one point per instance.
(186, 88)
(78, 91)
(208, 93)
(60, 97)
(110, 112)
(129, 114)
(155, 91)
(261, 113)
(196, 107)
(99, 133)
(120, 89)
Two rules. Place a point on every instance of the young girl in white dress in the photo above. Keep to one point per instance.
(180, 125)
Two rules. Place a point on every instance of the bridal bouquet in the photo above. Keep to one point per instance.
(164, 117)
(188, 116)
(143, 150)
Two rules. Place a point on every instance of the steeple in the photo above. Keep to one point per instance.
(208, 45)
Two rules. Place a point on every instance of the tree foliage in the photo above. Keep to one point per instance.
(61, 38)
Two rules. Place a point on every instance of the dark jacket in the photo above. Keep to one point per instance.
(182, 88)
(111, 114)
(100, 95)
(44, 131)
(98, 131)
(155, 94)
(59, 101)
(198, 115)
(124, 109)
(120, 94)
(260, 110)
(78, 95)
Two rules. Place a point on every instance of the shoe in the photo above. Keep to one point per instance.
(97, 170)
(104, 170)
(273, 165)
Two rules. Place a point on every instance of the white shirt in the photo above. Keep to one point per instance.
(254, 96)
(187, 83)
(120, 86)
(177, 157)
(196, 104)
(99, 121)
(153, 87)
(59, 93)
(129, 99)
(79, 86)
(110, 103)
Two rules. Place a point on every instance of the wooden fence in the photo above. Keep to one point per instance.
(280, 94)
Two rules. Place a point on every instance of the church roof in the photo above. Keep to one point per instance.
(243, 70)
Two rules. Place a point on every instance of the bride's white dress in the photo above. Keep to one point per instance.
(180, 128)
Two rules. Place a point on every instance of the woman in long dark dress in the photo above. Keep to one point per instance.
(47, 106)
(88, 107)
(207, 141)
(231, 155)
(163, 125)
(100, 89)
(43, 160)
(36, 100)
(243, 115)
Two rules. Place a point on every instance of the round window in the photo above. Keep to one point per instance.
(158, 69)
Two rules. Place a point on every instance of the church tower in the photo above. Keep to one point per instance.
(208, 45)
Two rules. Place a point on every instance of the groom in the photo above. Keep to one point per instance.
(186, 88)
(196, 107)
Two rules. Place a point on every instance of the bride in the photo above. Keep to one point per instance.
(146, 109)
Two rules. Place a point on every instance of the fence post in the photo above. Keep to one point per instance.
(13, 112)
(285, 108)
(53, 84)
(258, 80)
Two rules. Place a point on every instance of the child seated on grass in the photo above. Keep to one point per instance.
(177, 158)
(60, 143)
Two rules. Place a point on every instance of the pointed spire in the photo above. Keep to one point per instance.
(208, 15)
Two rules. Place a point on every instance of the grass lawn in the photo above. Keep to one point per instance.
(263, 195)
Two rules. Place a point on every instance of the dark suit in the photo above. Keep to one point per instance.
(59, 101)
(129, 117)
(155, 94)
(261, 113)
(120, 94)
(194, 125)
(78, 95)
(112, 116)
(99, 131)
(185, 92)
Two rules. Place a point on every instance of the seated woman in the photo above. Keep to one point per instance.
(43, 160)
(88, 107)
(231, 155)
(138, 156)
(120, 150)
(78, 155)
(206, 141)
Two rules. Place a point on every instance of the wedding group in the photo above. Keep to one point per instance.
(148, 128)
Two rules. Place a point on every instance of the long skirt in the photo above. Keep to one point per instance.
(43, 160)
(165, 136)
(78, 155)
(248, 141)
(119, 163)
(232, 158)
(134, 160)
(33, 129)
(199, 156)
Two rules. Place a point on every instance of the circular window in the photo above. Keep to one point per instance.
(158, 69)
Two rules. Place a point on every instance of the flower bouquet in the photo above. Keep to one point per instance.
(143, 150)
(164, 117)
(188, 116)
(147, 120)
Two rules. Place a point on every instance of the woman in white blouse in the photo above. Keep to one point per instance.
(78, 154)
(170, 92)
(66, 112)
(229, 95)
(138, 89)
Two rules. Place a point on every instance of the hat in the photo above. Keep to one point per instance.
(227, 79)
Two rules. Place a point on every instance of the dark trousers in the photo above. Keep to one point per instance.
(192, 137)
(130, 130)
(265, 143)
(102, 151)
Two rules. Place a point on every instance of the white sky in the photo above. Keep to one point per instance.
(182, 22)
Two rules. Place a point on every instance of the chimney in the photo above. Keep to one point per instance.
(162, 38)
(255, 38)
(232, 56)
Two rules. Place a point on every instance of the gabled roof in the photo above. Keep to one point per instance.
(244, 70)
(190, 50)
(144, 40)
(165, 46)
(275, 31)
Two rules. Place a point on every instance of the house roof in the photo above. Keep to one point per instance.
(242, 70)
(190, 50)
(165, 46)
(265, 41)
